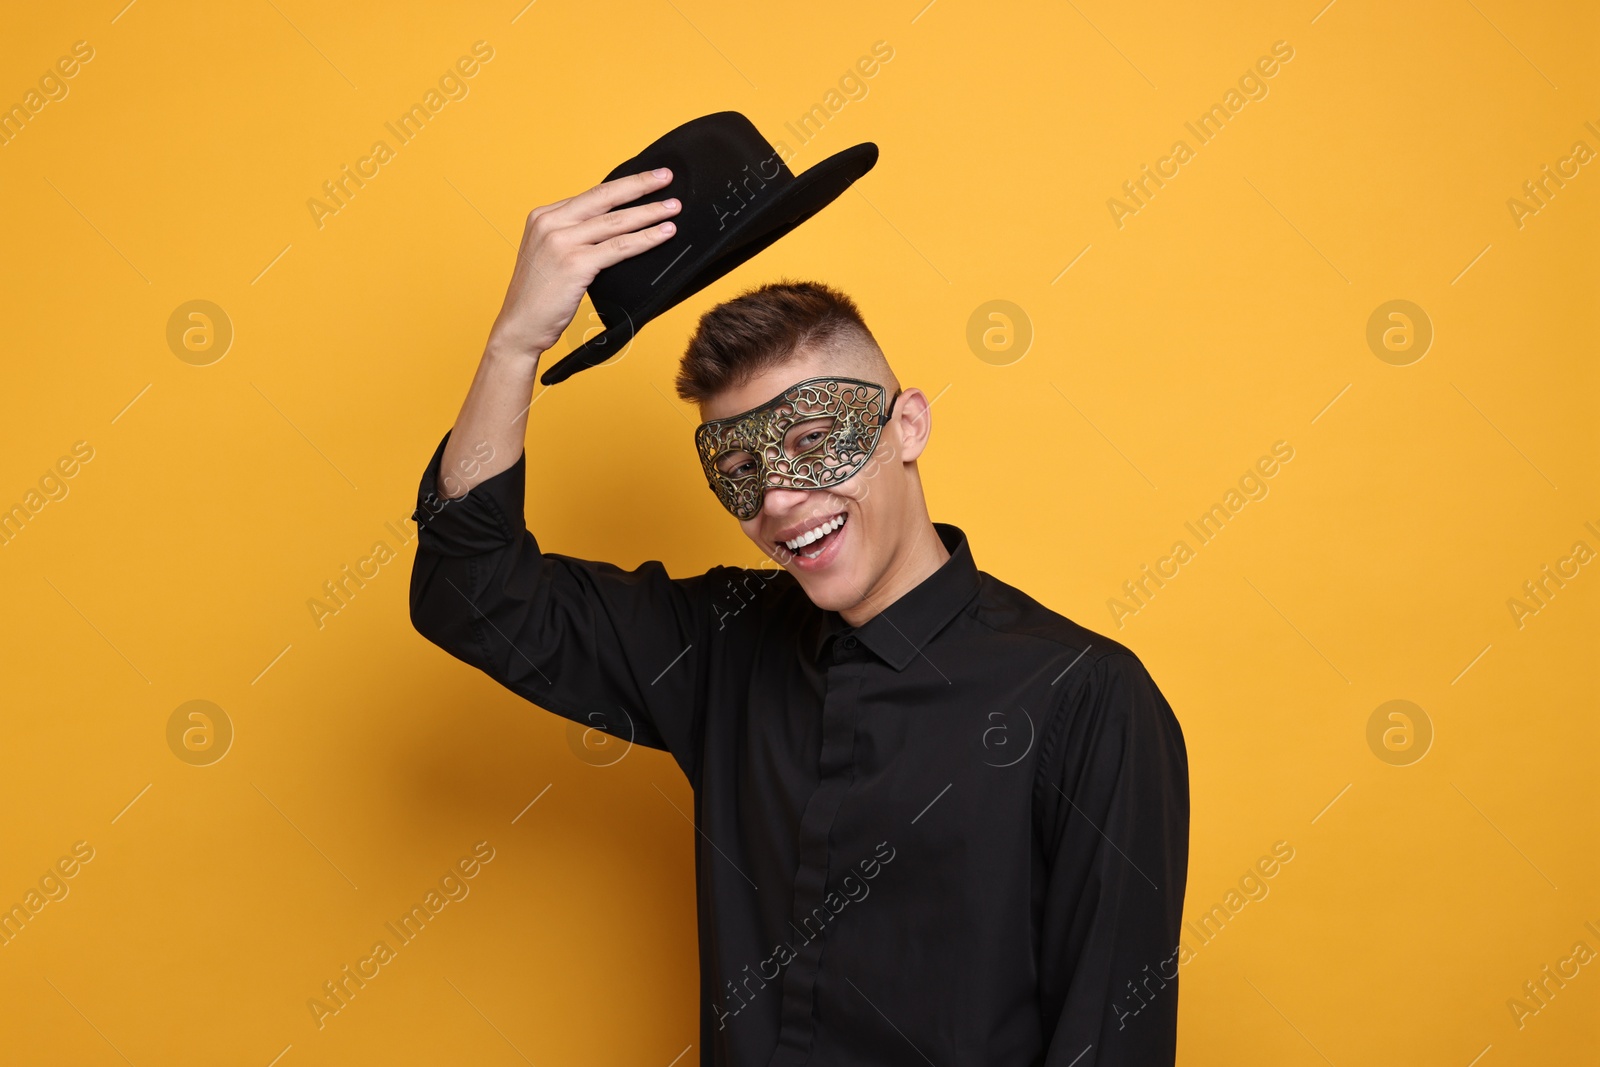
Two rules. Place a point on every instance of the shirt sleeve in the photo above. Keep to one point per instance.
(1114, 803)
(619, 651)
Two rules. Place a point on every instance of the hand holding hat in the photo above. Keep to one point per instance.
(737, 198)
(564, 246)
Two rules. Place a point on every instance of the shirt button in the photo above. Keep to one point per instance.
(851, 642)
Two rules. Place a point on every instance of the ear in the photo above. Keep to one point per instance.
(913, 418)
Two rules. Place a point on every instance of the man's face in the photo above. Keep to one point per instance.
(856, 528)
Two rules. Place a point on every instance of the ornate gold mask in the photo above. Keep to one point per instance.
(813, 435)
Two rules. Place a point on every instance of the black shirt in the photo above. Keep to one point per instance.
(955, 835)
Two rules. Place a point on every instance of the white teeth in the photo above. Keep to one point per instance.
(815, 534)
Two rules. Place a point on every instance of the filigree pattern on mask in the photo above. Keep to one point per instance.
(753, 443)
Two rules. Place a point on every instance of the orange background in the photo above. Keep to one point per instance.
(1167, 354)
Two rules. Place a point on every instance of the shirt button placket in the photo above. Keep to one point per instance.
(835, 773)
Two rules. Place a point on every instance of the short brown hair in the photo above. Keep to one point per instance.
(762, 328)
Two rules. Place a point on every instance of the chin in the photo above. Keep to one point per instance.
(830, 592)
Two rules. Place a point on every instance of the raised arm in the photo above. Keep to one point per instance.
(619, 651)
(564, 245)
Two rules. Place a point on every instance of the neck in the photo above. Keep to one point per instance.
(917, 558)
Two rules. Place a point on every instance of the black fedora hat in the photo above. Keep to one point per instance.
(738, 197)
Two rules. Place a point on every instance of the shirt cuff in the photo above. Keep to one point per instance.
(489, 517)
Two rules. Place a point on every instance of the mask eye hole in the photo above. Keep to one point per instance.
(807, 436)
(737, 464)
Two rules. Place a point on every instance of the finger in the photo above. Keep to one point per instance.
(607, 195)
(536, 212)
(612, 223)
(624, 245)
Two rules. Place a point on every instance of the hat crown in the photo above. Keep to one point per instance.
(738, 197)
(721, 167)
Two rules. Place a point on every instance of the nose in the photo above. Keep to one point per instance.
(779, 502)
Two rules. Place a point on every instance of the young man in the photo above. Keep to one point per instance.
(938, 822)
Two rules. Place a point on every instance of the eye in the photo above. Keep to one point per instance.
(807, 435)
(736, 464)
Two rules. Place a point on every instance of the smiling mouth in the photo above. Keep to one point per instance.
(815, 539)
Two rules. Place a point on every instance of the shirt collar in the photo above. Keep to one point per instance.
(899, 632)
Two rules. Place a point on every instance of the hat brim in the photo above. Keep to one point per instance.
(752, 233)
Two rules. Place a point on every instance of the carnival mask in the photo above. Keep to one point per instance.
(813, 435)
